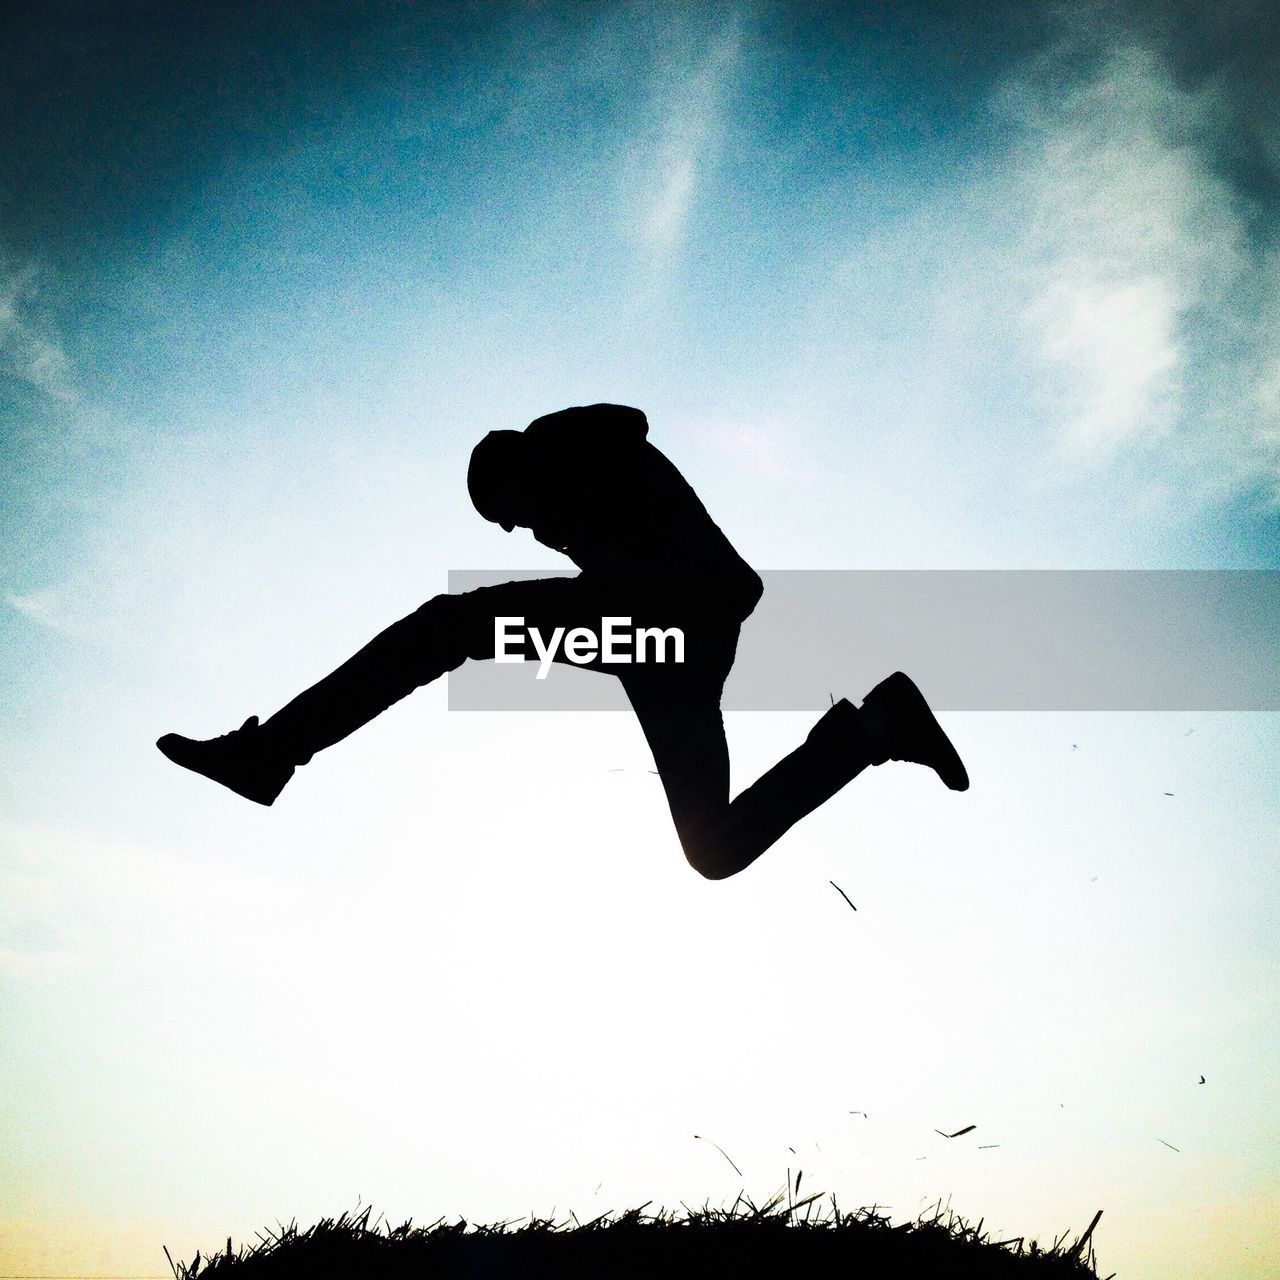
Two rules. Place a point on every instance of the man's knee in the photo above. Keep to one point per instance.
(710, 869)
(712, 858)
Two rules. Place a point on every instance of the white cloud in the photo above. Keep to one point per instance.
(1143, 296)
(1118, 337)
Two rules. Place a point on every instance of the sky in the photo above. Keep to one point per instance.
(899, 287)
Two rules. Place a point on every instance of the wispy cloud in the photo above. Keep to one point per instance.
(1147, 301)
(69, 897)
(759, 447)
(30, 352)
(42, 607)
(682, 137)
(35, 940)
(32, 965)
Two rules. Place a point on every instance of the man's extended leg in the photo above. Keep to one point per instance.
(257, 760)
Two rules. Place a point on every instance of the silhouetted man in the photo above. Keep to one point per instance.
(587, 482)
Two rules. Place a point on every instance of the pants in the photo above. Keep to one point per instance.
(677, 704)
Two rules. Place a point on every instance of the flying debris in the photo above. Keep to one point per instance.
(969, 1128)
(1169, 1145)
(1168, 793)
(991, 1146)
(841, 892)
(1073, 746)
(863, 1114)
(697, 1137)
(1202, 1079)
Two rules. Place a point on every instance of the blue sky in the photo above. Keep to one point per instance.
(896, 289)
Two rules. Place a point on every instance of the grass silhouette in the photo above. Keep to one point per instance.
(778, 1239)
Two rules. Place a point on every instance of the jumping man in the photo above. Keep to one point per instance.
(586, 482)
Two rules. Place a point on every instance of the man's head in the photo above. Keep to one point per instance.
(548, 477)
(498, 478)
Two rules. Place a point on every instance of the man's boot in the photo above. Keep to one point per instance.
(899, 726)
(247, 760)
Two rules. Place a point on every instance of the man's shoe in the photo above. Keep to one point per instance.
(899, 722)
(240, 760)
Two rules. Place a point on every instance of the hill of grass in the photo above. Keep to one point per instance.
(776, 1240)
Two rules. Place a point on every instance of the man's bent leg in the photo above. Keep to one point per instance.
(686, 736)
(719, 837)
(835, 751)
